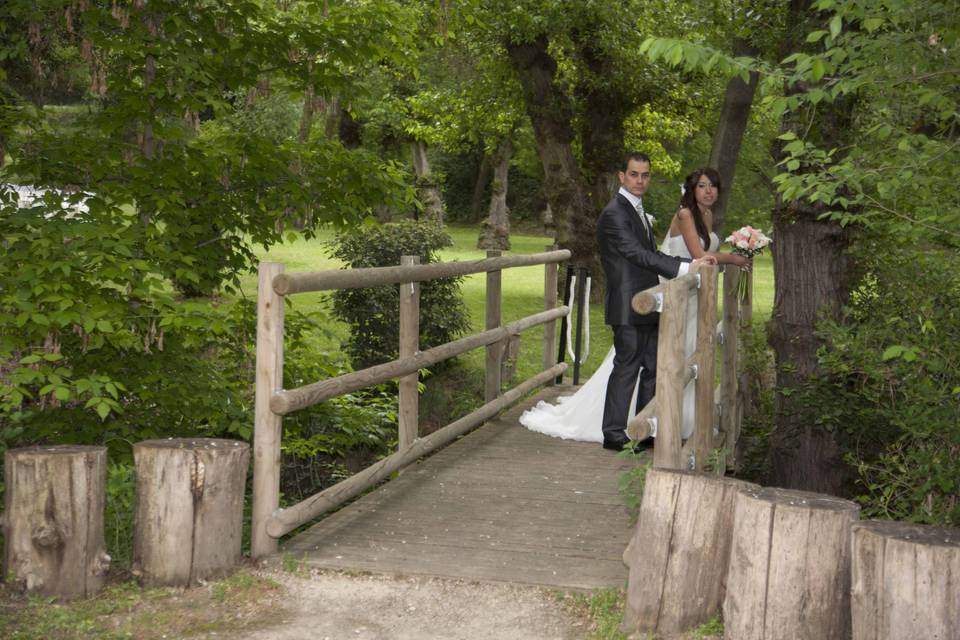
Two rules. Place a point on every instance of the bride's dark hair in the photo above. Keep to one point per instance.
(689, 199)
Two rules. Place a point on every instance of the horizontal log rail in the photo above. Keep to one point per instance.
(284, 402)
(273, 402)
(650, 300)
(285, 520)
(288, 283)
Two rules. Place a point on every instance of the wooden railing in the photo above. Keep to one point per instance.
(273, 402)
(718, 410)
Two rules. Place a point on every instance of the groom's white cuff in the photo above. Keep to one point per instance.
(684, 267)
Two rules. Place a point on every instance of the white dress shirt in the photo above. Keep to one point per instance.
(645, 220)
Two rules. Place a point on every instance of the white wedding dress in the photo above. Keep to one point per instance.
(579, 417)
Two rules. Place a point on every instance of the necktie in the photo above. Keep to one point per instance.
(644, 221)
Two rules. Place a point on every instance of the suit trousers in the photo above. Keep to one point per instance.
(635, 351)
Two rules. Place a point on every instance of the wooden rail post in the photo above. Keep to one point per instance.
(702, 437)
(494, 351)
(671, 366)
(729, 422)
(549, 302)
(744, 389)
(267, 424)
(409, 344)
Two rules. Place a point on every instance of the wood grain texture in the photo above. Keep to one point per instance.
(789, 573)
(189, 515)
(679, 552)
(729, 423)
(302, 282)
(408, 415)
(53, 520)
(550, 296)
(705, 356)
(906, 581)
(672, 372)
(267, 426)
(492, 318)
(500, 504)
(286, 401)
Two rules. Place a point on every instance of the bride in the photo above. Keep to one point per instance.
(578, 417)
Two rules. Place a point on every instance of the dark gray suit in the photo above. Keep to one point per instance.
(631, 263)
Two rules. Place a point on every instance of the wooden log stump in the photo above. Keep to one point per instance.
(53, 520)
(678, 554)
(906, 581)
(789, 574)
(189, 513)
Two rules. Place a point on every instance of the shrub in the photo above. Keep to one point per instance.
(892, 387)
(372, 314)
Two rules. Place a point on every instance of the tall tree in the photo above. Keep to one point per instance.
(576, 64)
(868, 139)
(161, 195)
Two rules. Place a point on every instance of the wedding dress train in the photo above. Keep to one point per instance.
(579, 417)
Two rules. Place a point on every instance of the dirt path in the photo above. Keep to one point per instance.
(334, 606)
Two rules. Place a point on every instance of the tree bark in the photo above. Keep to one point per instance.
(495, 232)
(427, 190)
(483, 176)
(728, 136)
(189, 513)
(53, 520)
(813, 274)
(551, 114)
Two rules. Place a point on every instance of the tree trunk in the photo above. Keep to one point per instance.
(679, 552)
(906, 581)
(605, 109)
(189, 508)
(331, 116)
(427, 190)
(483, 176)
(495, 232)
(53, 520)
(551, 114)
(789, 573)
(737, 101)
(813, 274)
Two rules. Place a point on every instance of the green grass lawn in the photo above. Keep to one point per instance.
(522, 293)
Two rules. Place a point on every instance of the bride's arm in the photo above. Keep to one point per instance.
(690, 238)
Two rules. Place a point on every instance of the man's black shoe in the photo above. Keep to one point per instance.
(620, 443)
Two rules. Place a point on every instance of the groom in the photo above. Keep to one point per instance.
(631, 263)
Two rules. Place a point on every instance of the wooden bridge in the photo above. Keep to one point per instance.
(500, 502)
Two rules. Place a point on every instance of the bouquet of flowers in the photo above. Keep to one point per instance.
(748, 242)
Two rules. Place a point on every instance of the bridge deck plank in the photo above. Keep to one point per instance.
(500, 504)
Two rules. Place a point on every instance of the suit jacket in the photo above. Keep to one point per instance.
(630, 261)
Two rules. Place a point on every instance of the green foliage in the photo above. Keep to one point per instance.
(712, 627)
(905, 105)
(633, 480)
(124, 610)
(182, 159)
(606, 611)
(118, 513)
(372, 314)
(892, 387)
(755, 363)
